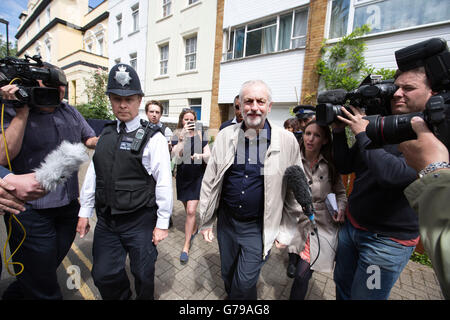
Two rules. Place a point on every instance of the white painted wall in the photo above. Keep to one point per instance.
(282, 72)
(380, 49)
(178, 85)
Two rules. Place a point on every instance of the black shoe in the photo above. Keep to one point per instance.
(292, 265)
(291, 270)
(170, 223)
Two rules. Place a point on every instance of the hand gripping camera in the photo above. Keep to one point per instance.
(26, 73)
(434, 56)
(373, 96)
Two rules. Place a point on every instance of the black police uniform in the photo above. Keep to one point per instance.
(125, 203)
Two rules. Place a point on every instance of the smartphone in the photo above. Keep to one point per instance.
(190, 125)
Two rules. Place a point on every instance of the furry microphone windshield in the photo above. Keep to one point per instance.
(60, 164)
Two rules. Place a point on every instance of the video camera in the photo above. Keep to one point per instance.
(373, 96)
(434, 56)
(26, 74)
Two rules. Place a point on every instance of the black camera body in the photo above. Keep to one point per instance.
(434, 56)
(373, 96)
(25, 74)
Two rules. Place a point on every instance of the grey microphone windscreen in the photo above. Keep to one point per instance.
(296, 181)
(60, 164)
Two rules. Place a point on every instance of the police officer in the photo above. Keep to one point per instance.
(305, 114)
(130, 182)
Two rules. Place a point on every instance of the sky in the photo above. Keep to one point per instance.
(10, 11)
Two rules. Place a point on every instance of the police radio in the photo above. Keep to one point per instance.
(138, 138)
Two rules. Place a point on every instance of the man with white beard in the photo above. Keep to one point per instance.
(243, 186)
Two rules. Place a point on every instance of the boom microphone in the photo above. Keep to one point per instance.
(296, 181)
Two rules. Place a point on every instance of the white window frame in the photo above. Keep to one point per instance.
(133, 60)
(119, 26)
(166, 8)
(165, 104)
(189, 54)
(48, 50)
(47, 13)
(230, 33)
(135, 17)
(100, 45)
(163, 61)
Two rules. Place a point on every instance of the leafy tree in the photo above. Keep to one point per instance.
(98, 103)
(12, 48)
(343, 65)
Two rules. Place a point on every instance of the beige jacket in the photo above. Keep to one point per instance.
(282, 153)
(328, 229)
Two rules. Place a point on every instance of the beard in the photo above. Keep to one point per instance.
(254, 120)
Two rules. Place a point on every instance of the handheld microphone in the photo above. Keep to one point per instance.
(296, 181)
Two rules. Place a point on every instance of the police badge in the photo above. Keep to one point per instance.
(122, 76)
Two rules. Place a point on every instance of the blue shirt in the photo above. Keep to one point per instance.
(243, 186)
(44, 132)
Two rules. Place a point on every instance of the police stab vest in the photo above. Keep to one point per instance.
(123, 185)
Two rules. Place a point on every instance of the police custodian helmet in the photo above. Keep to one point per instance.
(123, 81)
(304, 111)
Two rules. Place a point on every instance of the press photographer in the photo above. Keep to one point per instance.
(381, 228)
(433, 57)
(36, 121)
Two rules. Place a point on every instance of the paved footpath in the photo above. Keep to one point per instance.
(200, 278)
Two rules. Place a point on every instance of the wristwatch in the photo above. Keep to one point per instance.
(433, 167)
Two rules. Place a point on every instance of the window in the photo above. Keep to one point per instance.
(192, 1)
(89, 47)
(165, 105)
(48, 50)
(164, 59)
(191, 53)
(119, 26)
(133, 60)
(278, 33)
(196, 105)
(100, 46)
(135, 17)
(387, 15)
(167, 4)
(47, 13)
(38, 23)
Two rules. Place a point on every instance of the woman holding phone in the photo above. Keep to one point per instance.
(191, 153)
(323, 180)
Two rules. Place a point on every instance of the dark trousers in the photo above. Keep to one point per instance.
(49, 236)
(114, 238)
(241, 255)
(303, 274)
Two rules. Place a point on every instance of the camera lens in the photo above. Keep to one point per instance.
(391, 129)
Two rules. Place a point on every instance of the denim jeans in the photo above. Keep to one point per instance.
(367, 264)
